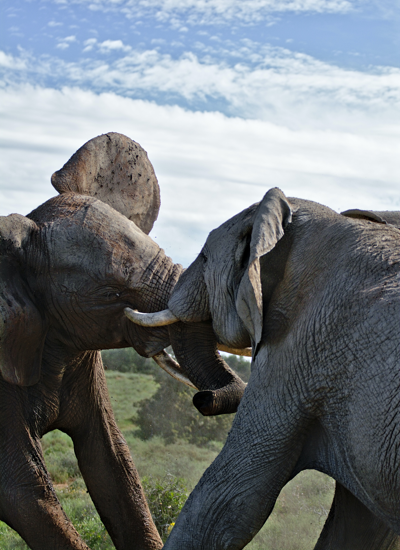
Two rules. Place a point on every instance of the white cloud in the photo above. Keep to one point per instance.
(209, 166)
(64, 43)
(216, 11)
(11, 62)
(106, 46)
(254, 82)
(54, 24)
(89, 44)
(113, 45)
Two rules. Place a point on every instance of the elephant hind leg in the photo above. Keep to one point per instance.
(351, 526)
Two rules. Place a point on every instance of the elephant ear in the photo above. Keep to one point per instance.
(385, 217)
(22, 329)
(116, 170)
(271, 217)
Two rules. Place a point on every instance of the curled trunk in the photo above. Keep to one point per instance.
(195, 347)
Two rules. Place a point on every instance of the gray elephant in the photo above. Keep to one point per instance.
(67, 271)
(316, 295)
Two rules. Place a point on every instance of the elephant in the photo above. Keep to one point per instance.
(316, 296)
(67, 272)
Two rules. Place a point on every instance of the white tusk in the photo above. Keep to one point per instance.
(246, 352)
(157, 319)
(173, 368)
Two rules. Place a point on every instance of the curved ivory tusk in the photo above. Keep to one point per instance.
(157, 319)
(173, 368)
(246, 352)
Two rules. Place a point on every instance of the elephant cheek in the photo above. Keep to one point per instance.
(231, 331)
(189, 301)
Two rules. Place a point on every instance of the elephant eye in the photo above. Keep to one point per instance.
(111, 294)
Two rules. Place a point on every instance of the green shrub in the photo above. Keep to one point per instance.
(81, 511)
(165, 498)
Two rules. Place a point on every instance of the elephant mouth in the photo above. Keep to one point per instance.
(166, 318)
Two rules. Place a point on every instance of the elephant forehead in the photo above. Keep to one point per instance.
(225, 237)
(99, 237)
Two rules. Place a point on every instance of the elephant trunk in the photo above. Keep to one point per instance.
(222, 401)
(195, 347)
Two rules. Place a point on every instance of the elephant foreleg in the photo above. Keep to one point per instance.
(108, 469)
(238, 491)
(351, 526)
(28, 502)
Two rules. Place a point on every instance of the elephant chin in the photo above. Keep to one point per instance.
(222, 401)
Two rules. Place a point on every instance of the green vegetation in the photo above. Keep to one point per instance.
(127, 360)
(172, 445)
(170, 414)
(166, 498)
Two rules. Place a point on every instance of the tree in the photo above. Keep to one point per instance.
(127, 360)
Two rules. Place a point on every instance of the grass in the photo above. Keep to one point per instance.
(299, 514)
(126, 391)
(169, 472)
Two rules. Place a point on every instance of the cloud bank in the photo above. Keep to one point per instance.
(252, 81)
(209, 166)
(193, 12)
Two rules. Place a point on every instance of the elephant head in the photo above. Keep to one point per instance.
(72, 265)
(229, 293)
(227, 299)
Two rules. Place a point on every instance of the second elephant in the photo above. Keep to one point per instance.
(316, 294)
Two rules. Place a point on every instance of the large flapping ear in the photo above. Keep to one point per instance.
(116, 170)
(22, 329)
(271, 217)
(385, 217)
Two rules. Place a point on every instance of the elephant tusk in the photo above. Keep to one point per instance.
(157, 319)
(246, 352)
(167, 363)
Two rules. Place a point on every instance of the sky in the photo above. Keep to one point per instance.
(228, 97)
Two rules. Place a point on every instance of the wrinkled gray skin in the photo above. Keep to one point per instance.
(67, 271)
(316, 294)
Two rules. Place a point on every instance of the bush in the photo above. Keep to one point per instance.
(165, 498)
(80, 509)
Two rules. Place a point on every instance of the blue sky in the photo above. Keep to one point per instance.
(228, 97)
